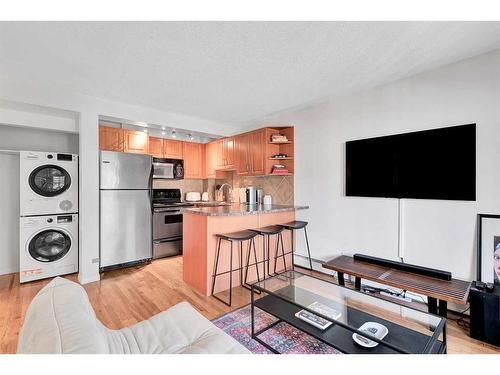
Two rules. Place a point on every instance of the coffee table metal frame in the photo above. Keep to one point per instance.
(256, 289)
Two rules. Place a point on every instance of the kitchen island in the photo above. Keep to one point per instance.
(201, 224)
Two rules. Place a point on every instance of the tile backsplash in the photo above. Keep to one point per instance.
(279, 187)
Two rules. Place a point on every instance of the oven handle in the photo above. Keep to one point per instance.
(167, 212)
(170, 239)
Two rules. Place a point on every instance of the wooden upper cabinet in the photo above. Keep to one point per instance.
(225, 153)
(210, 159)
(219, 152)
(156, 148)
(173, 149)
(229, 153)
(250, 154)
(243, 162)
(250, 151)
(193, 160)
(110, 139)
(136, 142)
(258, 151)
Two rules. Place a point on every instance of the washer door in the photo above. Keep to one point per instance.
(49, 245)
(49, 180)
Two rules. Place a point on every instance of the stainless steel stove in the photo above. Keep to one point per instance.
(167, 222)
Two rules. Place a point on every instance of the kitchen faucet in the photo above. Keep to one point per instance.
(230, 195)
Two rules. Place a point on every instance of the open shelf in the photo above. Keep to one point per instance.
(283, 148)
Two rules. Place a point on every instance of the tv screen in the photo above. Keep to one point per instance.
(431, 164)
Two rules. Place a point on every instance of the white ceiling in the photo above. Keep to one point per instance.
(233, 72)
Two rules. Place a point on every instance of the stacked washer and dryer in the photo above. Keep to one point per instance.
(49, 215)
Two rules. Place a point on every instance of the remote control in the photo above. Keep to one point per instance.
(312, 319)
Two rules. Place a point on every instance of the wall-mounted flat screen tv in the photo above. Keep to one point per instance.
(430, 164)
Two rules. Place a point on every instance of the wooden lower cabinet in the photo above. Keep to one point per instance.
(193, 160)
(110, 139)
(136, 142)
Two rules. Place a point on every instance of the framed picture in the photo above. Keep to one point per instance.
(488, 249)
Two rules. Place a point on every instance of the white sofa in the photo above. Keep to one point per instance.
(60, 320)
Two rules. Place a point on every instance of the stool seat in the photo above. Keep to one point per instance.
(294, 225)
(269, 230)
(242, 235)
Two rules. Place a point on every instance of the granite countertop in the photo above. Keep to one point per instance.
(238, 209)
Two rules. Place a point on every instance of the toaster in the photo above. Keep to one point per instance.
(193, 196)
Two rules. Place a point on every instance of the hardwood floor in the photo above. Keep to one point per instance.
(124, 297)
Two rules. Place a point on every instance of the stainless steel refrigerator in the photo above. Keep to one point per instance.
(126, 208)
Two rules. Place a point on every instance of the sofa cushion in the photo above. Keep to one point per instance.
(60, 319)
(180, 329)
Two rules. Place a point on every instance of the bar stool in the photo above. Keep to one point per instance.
(293, 226)
(266, 233)
(239, 237)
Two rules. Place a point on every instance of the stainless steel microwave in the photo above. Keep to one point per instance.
(168, 169)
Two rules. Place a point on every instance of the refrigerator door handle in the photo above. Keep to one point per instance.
(151, 172)
(150, 195)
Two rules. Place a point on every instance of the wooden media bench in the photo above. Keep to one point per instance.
(436, 285)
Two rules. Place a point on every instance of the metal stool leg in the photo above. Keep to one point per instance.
(276, 253)
(246, 264)
(216, 265)
(283, 252)
(230, 273)
(293, 248)
(241, 262)
(268, 255)
(279, 240)
(308, 251)
(264, 257)
(256, 259)
(251, 243)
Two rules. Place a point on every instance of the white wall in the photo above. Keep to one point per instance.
(437, 234)
(85, 111)
(16, 138)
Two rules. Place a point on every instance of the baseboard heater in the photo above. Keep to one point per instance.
(431, 272)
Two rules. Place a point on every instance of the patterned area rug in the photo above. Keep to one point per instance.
(282, 337)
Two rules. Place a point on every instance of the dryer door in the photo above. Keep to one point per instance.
(49, 245)
(49, 180)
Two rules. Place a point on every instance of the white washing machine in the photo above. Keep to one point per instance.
(48, 246)
(48, 183)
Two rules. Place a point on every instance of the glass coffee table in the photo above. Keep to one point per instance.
(407, 330)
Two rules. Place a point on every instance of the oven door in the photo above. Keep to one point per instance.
(167, 223)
